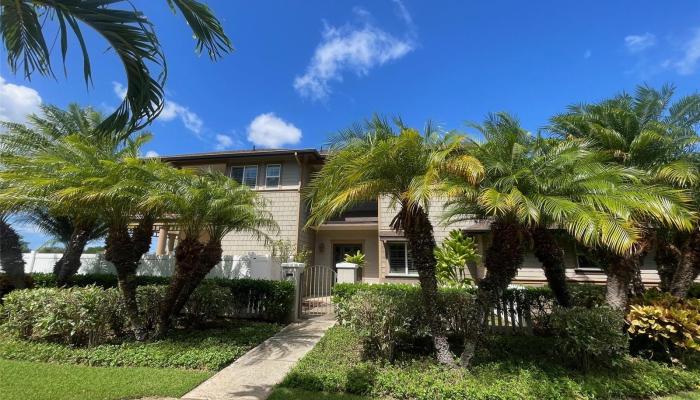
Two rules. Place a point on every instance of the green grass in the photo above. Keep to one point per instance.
(210, 349)
(299, 394)
(509, 368)
(32, 380)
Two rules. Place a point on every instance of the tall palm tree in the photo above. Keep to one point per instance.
(648, 132)
(105, 175)
(11, 261)
(43, 133)
(374, 160)
(205, 207)
(532, 185)
(127, 31)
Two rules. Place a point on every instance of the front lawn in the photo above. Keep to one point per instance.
(512, 367)
(32, 380)
(210, 349)
(300, 394)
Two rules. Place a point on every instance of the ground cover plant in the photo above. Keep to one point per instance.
(507, 367)
(198, 349)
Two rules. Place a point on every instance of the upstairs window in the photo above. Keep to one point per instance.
(400, 259)
(247, 175)
(272, 175)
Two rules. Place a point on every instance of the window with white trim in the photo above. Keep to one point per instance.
(246, 175)
(272, 175)
(400, 259)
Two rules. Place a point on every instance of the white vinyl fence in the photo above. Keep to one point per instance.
(231, 267)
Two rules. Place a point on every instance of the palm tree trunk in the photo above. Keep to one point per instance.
(688, 267)
(667, 258)
(419, 233)
(502, 260)
(551, 255)
(11, 261)
(69, 263)
(125, 253)
(210, 256)
(620, 271)
(187, 256)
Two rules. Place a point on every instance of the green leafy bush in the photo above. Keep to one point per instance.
(453, 256)
(336, 365)
(75, 316)
(588, 337)
(272, 300)
(664, 327)
(383, 320)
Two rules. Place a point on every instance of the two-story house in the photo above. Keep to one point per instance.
(280, 176)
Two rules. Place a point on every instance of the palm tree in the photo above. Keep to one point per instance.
(373, 160)
(11, 261)
(532, 185)
(74, 234)
(72, 226)
(102, 174)
(127, 31)
(205, 207)
(647, 132)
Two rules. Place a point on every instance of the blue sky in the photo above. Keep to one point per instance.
(304, 69)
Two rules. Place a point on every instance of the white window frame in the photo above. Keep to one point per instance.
(406, 258)
(279, 175)
(245, 167)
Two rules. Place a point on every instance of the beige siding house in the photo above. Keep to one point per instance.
(280, 176)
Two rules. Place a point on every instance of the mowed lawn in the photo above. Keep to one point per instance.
(23, 380)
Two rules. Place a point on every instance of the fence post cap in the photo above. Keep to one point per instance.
(293, 265)
(346, 265)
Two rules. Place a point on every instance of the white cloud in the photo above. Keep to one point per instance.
(151, 153)
(268, 130)
(224, 142)
(403, 13)
(17, 101)
(171, 110)
(191, 120)
(119, 89)
(352, 48)
(587, 54)
(637, 43)
(691, 55)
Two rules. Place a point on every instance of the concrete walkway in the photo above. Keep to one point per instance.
(255, 374)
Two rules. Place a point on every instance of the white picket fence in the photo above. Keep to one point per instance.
(247, 266)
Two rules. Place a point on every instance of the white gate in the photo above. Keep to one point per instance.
(316, 284)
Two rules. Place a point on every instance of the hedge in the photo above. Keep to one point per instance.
(255, 298)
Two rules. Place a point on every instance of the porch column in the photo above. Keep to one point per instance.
(162, 239)
(172, 237)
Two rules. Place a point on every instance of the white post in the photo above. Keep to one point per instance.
(291, 271)
(347, 272)
(32, 260)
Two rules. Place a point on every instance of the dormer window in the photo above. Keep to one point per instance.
(272, 175)
(247, 175)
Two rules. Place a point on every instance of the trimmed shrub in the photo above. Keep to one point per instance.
(257, 298)
(588, 337)
(75, 316)
(383, 320)
(664, 327)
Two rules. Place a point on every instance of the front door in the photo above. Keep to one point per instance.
(340, 250)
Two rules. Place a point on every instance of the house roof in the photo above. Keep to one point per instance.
(242, 154)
